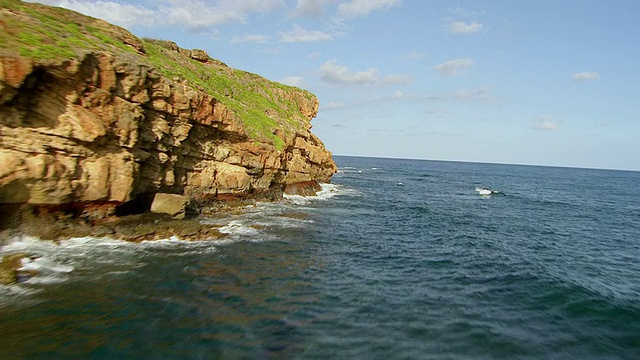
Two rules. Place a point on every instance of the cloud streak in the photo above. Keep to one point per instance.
(461, 27)
(454, 67)
(249, 38)
(309, 8)
(300, 34)
(546, 124)
(297, 81)
(114, 12)
(333, 73)
(585, 76)
(192, 15)
(356, 8)
(202, 16)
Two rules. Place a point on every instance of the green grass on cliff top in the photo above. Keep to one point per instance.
(53, 35)
(257, 101)
(47, 33)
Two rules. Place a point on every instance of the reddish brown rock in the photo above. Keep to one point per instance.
(304, 188)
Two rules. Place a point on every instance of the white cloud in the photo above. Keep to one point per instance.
(300, 34)
(477, 94)
(355, 8)
(315, 54)
(461, 12)
(199, 15)
(482, 94)
(310, 8)
(585, 76)
(249, 38)
(397, 79)
(248, 5)
(545, 123)
(117, 13)
(461, 27)
(453, 67)
(297, 81)
(332, 73)
(194, 15)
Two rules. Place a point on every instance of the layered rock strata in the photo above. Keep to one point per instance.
(108, 128)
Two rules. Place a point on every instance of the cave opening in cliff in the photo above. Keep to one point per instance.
(138, 205)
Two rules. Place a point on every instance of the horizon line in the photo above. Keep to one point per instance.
(487, 162)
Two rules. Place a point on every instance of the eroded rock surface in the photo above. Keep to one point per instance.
(106, 128)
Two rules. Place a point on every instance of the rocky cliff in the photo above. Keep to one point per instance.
(93, 117)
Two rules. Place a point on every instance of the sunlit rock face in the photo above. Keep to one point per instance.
(109, 125)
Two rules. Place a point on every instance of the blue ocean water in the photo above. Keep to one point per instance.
(397, 259)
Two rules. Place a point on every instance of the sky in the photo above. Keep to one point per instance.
(541, 82)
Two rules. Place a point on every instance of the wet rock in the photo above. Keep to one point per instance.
(303, 188)
(9, 266)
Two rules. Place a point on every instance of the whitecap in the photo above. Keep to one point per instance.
(327, 192)
(236, 227)
(55, 262)
(16, 292)
(43, 264)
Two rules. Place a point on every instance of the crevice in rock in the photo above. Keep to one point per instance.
(36, 103)
(139, 205)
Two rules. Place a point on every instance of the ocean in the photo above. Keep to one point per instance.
(396, 259)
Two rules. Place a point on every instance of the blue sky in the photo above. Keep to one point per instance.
(526, 82)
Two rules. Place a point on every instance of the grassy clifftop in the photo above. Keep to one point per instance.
(47, 35)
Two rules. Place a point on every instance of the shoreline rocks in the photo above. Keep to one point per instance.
(9, 265)
(133, 228)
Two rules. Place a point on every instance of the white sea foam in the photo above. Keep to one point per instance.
(43, 264)
(327, 192)
(17, 292)
(351, 170)
(244, 229)
(55, 262)
(236, 227)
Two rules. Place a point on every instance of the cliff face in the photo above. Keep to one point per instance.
(113, 118)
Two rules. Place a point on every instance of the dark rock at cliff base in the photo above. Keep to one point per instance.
(135, 228)
(303, 188)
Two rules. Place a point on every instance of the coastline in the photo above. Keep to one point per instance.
(92, 136)
(210, 224)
